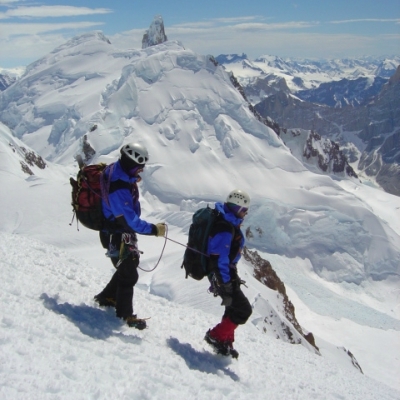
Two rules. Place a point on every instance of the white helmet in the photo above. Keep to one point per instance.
(135, 152)
(239, 198)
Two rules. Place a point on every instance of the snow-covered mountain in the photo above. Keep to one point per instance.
(344, 101)
(346, 92)
(333, 241)
(369, 135)
(6, 81)
(267, 74)
(9, 75)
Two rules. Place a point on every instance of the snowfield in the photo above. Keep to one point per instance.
(56, 343)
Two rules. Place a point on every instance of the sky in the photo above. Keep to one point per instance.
(304, 28)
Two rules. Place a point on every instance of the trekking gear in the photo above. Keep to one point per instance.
(237, 210)
(133, 159)
(224, 290)
(225, 348)
(225, 330)
(88, 190)
(128, 248)
(134, 322)
(195, 259)
(135, 152)
(160, 229)
(239, 198)
(87, 195)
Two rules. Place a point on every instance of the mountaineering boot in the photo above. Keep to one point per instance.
(224, 348)
(104, 301)
(134, 322)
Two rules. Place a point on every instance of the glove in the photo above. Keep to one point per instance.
(160, 229)
(225, 291)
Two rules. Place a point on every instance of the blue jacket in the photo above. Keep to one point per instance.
(123, 203)
(225, 243)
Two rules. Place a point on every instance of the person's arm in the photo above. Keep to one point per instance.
(121, 205)
(218, 249)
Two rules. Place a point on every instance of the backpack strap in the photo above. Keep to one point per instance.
(119, 184)
(105, 181)
(221, 225)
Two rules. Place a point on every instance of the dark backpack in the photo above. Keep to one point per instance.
(86, 196)
(195, 259)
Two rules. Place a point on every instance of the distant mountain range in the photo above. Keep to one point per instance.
(346, 92)
(354, 103)
(310, 79)
(6, 81)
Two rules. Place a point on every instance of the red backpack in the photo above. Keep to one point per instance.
(87, 195)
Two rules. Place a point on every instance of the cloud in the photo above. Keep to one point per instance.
(285, 43)
(236, 19)
(10, 30)
(289, 39)
(201, 24)
(22, 50)
(243, 23)
(276, 26)
(8, 1)
(211, 31)
(215, 22)
(250, 35)
(347, 21)
(52, 11)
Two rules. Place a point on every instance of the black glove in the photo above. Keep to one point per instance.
(225, 291)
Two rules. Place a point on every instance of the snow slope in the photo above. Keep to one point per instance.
(57, 344)
(50, 271)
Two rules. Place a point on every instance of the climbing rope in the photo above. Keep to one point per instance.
(162, 252)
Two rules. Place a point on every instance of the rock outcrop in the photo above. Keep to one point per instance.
(290, 330)
(155, 34)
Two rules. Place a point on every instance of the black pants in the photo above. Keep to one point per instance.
(124, 279)
(240, 309)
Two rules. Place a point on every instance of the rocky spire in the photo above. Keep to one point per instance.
(155, 34)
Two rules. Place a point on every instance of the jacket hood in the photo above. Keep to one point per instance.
(227, 214)
(119, 173)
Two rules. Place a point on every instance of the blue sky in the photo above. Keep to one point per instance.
(304, 28)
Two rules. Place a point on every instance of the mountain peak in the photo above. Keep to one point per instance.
(85, 37)
(155, 34)
(396, 77)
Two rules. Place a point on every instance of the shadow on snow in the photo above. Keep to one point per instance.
(91, 321)
(202, 361)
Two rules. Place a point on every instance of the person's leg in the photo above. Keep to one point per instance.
(107, 297)
(236, 314)
(126, 278)
(224, 331)
(240, 309)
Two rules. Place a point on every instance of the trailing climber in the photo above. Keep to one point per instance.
(121, 210)
(224, 249)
